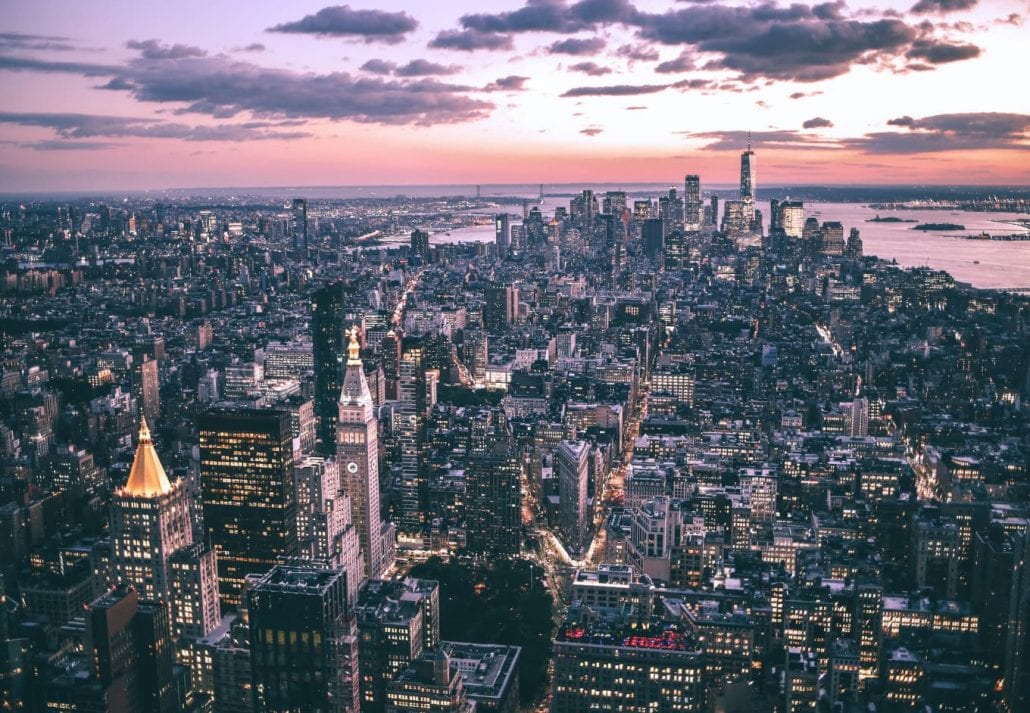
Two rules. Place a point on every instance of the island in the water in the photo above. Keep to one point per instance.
(889, 219)
(938, 226)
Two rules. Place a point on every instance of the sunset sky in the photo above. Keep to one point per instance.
(107, 95)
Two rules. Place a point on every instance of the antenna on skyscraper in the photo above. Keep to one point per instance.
(749, 140)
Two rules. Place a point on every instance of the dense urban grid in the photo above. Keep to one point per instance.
(667, 454)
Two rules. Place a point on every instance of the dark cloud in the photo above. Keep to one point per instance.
(794, 42)
(640, 52)
(471, 40)
(152, 49)
(378, 66)
(591, 131)
(941, 52)
(222, 87)
(58, 145)
(943, 6)
(425, 68)
(615, 90)
(21, 41)
(635, 108)
(414, 68)
(343, 21)
(89, 126)
(817, 123)
(949, 132)
(683, 63)
(736, 140)
(799, 95)
(252, 47)
(511, 83)
(574, 46)
(27, 64)
(118, 84)
(797, 42)
(1014, 19)
(590, 68)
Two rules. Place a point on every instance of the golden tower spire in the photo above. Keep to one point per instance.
(354, 348)
(147, 477)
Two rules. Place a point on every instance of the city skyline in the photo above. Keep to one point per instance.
(375, 93)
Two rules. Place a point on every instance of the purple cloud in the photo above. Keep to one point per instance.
(590, 68)
(343, 21)
(471, 40)
(817, 123)
(577, 47)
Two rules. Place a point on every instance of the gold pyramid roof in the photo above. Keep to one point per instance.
(147, 478)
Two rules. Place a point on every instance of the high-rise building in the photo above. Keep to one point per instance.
(246, 474)
(501, 306)
(653, 235)
(195, 607)
(1001, 595)
(571, 461)
(833, 238)
(390, 349)
(325, 527)
(693, 208)
(413, 403)
(617, 664)
(420, 246)
(303, 638)
(357, 453)
(397, 622)
(853, 249)
(475, 353)
(492, 497)
(150, 521)
(300, 224)
(792, 218)
(429, 684)
(748, 182)
(328, 340)
(502, 234)
(132, 652)
(146, 387)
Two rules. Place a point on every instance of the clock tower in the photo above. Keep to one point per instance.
(357, 452)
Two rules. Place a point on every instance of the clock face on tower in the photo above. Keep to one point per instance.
(352, 467)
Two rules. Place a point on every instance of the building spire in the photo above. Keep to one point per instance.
(147, 478)
(354, 348)
(749, 140)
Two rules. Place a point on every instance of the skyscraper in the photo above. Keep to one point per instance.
(693, 208)
(303, 641)
(397, 621)
(492, 490)
(653, 235)
(420, 246)
(150, 521)
(146, 388)
(246, 474)
(132, 652)
(357, 453)
(327, 343)
(412, 395)
(502, 234)
(300, 224)
(501, 306)
(748, 182)
(571, 461)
